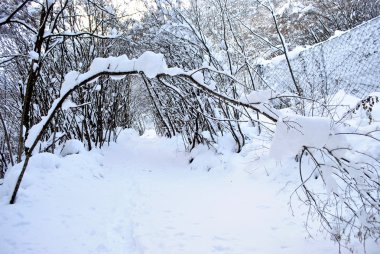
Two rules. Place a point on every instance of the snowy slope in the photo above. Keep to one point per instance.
(142, 196)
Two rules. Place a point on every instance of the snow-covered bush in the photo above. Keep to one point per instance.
(341, 154)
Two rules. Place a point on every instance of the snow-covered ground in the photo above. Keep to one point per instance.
(142, 195)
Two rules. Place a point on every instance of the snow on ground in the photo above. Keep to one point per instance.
(141, 195)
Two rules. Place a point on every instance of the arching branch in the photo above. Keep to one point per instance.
(151, 65)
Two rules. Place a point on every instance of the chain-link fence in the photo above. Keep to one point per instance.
(350, 61)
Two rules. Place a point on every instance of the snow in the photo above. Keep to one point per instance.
(70, 79)
(109, 9)
(33, 132)
(33, 55)
(294, 132)
(67, 104)
(292, 54)
(198, 76)
(335, 142)
(331, 184)
(116, 77)
(151, 64)
(49, 2)
(72, 146)
(337, 33)
(47, 33)
(283, 8)
(259, 96)
(35, 66)
(114, 33)
(141, 195)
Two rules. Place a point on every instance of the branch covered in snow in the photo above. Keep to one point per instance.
(149, 63)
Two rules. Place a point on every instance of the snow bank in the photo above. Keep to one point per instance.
(40, 165)
(72, 146)
(45, 161)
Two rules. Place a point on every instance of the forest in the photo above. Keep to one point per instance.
(229, 88)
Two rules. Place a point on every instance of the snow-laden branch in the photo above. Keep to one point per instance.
(82, 34)
(149, 63)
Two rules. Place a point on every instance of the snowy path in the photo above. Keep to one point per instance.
(142, 196)
(179, 210)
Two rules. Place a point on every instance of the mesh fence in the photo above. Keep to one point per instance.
(350, 61)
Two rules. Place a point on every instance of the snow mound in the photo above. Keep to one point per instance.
(72, 146)
(44, 161)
